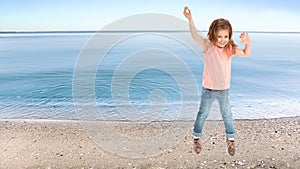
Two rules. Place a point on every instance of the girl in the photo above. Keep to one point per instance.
(218, 49)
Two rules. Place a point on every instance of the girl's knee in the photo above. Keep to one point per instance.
(227, 114)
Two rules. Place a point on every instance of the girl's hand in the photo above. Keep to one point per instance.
(187, 13)
(245, 39)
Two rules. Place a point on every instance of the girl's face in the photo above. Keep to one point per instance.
(222, 38)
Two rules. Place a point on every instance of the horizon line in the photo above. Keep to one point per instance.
(120, 31)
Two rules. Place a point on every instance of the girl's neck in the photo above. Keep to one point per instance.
(218, 47)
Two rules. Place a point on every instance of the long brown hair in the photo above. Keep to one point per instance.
(221, 24)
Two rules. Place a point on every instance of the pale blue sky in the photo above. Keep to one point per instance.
(261, 15)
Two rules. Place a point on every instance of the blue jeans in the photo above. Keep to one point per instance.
(207, 98)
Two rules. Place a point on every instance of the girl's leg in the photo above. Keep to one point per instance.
(205, 105)
(225, 108)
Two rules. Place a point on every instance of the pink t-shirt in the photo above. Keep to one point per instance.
(217, 68)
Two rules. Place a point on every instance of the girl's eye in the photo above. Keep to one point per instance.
(226, 36)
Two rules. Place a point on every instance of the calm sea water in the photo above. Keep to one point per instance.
(37, 78)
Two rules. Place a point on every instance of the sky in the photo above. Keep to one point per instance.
(65, 15)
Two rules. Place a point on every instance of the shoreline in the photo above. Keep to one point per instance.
(43, 143)
(78, 120)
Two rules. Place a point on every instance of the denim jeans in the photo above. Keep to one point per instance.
(207, 98)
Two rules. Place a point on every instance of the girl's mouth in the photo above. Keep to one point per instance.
(221, 44)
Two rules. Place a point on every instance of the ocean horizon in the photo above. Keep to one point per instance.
(116, 31)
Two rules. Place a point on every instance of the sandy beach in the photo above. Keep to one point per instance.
(272, 143)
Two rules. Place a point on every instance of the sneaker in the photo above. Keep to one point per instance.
(197, 146)
(231, 147)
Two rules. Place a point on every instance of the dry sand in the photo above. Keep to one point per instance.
(272, 143)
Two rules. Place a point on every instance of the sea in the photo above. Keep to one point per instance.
(140, 76)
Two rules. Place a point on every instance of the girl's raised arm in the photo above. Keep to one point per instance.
(245, 39)
(198, 38)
